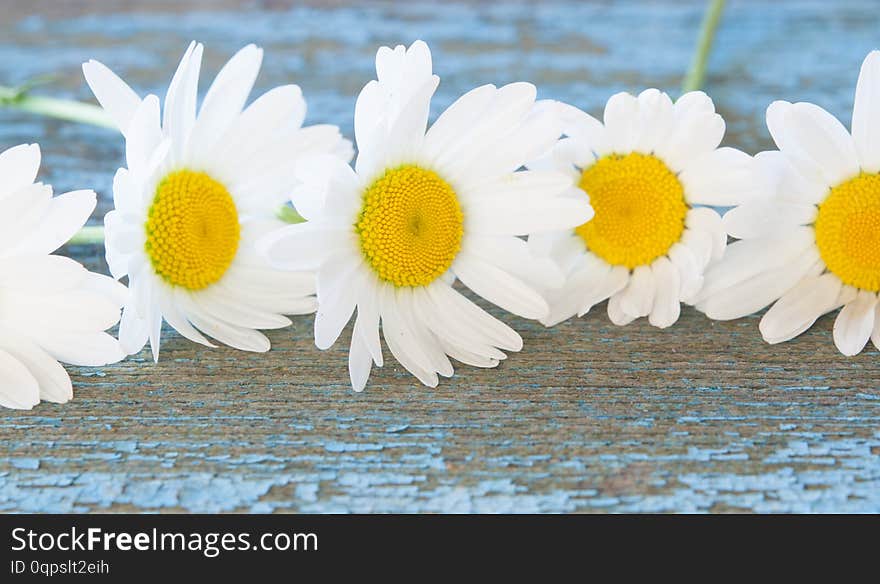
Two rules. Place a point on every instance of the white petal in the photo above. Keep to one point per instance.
(586, 129)
(667, 306)
(478, 323)
(813, 140)
(115, 96)
(524, 215)
(174, 316)
(83, 349)
(701, 244)
(21, 214)
(621, 122)
(854, 324)
(799, 308)
(359, 362)
(225, 98)
(402, 342)
(407, 132)
(133, 331)
(733, 290)
(655, 120)
(697, 131)
(280, 107)
(53, 380)
(41, 274)
(708, 221)
(611, 285)
(65, 216)
(366, 324)
(616, 313)
(243, 339)
(689, 270)
(458, 118)
(143, 137)
(866, 114)
(499, 287)
(179, 113)
(787, 183)
(303, 246)
(514, 256)
(18, 167)
(721, 178)
(767, 218)
(508, 108)
(747, 258)
(875, 336)
(339, 283)
(18, 388)
(638, 297)
(532, 137)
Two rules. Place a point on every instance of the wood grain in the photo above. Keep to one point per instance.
(589, 417)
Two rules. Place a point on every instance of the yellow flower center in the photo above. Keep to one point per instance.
(192, 230)
(848, 232)
(410, 226)
(639, 205)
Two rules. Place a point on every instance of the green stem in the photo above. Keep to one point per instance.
(63, 109)
(696, 75)
(289, 215)
(88, 235)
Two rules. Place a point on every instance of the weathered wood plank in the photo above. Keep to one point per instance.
(589, 417)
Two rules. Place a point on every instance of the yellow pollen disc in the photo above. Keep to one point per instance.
(640, 209)
(192, 230)
(848, 232)
(410, 226)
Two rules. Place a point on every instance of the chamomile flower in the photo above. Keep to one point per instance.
(198, 191)
(51, 308)
(812, 244)
(647, 171)
(423, 208)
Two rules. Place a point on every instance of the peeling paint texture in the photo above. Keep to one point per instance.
(589, 417)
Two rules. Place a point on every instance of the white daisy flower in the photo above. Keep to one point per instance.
(51, 308)
(646, 171)
(422, 209)
(197, 193)
(812, 244)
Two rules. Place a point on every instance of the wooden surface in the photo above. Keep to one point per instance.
(589, 417)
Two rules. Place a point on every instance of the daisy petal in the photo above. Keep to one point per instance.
(18, 167)
(616, 314)
(621, 119)
(19, 389)
(767, 218)
(115, 96)
(721, 178)
(53, 380)
(499, 287)
(638, 297)
(359, 362)
(799, 308)
(866, 114)
(667, 306)
(813, 140)
(854, 324)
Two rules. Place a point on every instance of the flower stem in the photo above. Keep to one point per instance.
(88, 235)
(63, 109)
(696, 75)
(289, 215)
